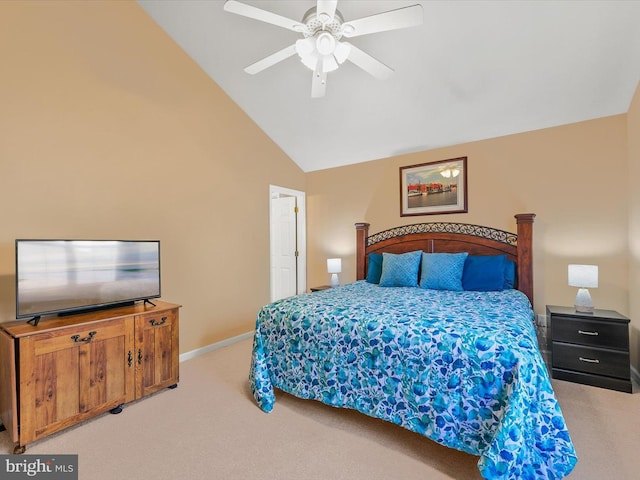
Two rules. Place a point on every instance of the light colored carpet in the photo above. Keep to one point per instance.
(210, 427)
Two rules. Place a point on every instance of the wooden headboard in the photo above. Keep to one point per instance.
(451, 238)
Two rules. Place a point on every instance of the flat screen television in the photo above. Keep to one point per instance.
(68, 276)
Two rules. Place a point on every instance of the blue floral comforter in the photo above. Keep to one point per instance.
(462, 368)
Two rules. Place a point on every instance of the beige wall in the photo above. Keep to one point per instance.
(633, 136)
(573, 177)
(109, 130)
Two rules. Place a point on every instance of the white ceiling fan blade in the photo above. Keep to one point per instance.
(368, 63)
(326, 9)
(263, 15)
(271, 60)
(381, 22)
(319, 82)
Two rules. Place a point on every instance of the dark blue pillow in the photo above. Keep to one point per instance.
(374, 268)
(484, 273)
(509, 274)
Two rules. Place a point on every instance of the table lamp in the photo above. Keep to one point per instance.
(334, 267)
(583, 277)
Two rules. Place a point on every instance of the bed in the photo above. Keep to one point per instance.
(460, 366)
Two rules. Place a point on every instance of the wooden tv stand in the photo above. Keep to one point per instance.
(68, 369)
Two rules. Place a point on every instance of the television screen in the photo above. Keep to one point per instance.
(56, 276)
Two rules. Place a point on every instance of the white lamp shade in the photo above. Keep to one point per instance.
(583, 276)
(334, 265)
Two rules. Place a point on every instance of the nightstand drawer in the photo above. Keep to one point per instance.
(599, 361)
(590, 332)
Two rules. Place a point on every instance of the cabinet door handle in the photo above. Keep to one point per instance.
(130, 358)
(77, 339)
(139, 356)
(593, 334)
(589, 360)
(157, 324)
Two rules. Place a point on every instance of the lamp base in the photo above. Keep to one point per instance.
(334, 280)
(583, 301)
(581, 309)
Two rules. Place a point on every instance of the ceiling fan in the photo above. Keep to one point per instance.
(323, 27)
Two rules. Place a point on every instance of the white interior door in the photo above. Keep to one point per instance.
(288, 259)
(288, 244)
(284, 252)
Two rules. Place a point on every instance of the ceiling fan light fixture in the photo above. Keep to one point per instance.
(306, 50)
(341, 52)
(348, 29)
(310, 61)
(304, 47)
(322, 48)
(324, 18)
(329, 63)
(325, 43)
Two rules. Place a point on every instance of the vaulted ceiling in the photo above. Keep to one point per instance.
(473, 70)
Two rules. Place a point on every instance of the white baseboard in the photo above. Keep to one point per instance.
(214, 346)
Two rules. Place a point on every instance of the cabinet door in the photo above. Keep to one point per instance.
(8, 402)
(71, 374)
(156, 351)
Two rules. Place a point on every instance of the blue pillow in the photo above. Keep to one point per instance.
(509, 274)
(374, 268)
(484, 273)
(442, 271)
(400, 270)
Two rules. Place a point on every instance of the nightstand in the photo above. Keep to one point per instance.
(590, 348)
(321, 287)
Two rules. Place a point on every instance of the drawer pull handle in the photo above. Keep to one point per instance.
(157, 324)
(589, 360)
(77, 339)
(593, 334)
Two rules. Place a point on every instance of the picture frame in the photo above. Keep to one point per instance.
(434, 188)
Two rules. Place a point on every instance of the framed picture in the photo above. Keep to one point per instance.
(434, 188)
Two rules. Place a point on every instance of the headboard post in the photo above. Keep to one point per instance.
(362, 232)
(525, 253)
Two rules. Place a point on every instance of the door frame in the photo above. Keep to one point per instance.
(301, 234)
